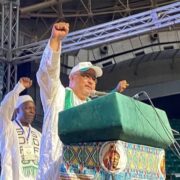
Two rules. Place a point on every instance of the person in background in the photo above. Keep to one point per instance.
(19, 141)
(55, 97)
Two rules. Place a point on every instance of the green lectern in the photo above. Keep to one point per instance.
(114, 136)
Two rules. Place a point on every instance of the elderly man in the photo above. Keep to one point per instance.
(19, 142)
(55, 98)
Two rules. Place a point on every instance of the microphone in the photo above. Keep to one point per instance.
(137, 96)
(95, 93)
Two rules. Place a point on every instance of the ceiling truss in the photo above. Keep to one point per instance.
(153, 20)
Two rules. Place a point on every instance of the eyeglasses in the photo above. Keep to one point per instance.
(87, 75)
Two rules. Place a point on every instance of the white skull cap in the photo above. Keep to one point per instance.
(23, 99)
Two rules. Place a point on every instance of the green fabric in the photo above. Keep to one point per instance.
(30, 171)
(115, 117)
(69, 99)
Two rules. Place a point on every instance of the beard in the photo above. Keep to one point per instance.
(28, 119)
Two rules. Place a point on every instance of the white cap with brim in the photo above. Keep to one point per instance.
(23, 99)
(84, 66)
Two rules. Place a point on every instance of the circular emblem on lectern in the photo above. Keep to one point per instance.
(113, 157)
(161, 165)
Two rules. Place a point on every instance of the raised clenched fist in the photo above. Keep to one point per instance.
(26, 82)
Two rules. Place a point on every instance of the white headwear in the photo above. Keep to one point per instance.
(84, 66)
(23, 99)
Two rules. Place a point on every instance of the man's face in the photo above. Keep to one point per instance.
(83, 83)
(26, 112)
(114, 160)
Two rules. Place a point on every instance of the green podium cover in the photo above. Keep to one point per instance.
(115, 117)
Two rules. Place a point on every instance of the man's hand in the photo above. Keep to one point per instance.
(122, 85)
(26, 82)
(60, 30)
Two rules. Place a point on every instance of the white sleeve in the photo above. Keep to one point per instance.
(8, 105)
(52, 96)
(48, 77)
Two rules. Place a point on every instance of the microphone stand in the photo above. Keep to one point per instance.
(174, 141)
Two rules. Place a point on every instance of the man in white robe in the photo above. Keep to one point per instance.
(55, 98)
(19, 141)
